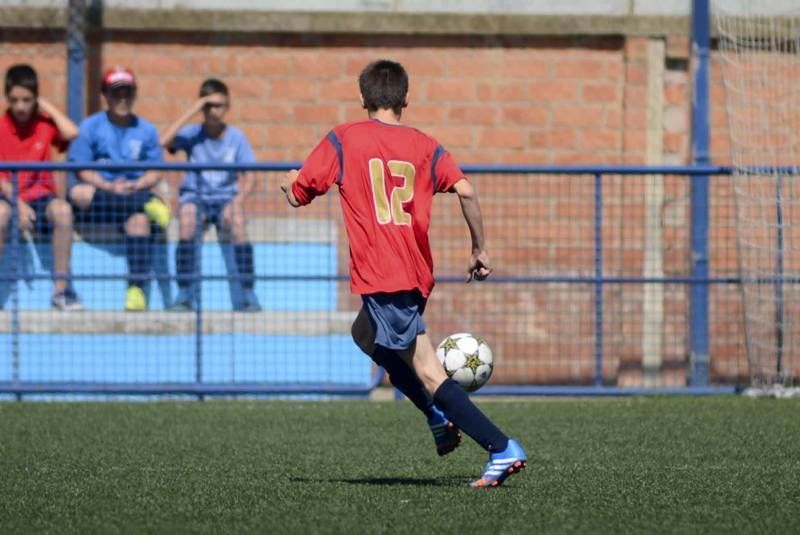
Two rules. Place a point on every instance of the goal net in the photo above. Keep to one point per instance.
(759, 45)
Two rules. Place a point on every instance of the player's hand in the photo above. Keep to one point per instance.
(27, 216)
(44, 106)
(479, 266)
(121, 186)
(286, 187)
(212, 100)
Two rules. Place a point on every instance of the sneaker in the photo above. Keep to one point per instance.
(135, 301)
(446, 435)
(67, 301)
(501, 465)
(158, 212)
(249, 302)
(183, 302)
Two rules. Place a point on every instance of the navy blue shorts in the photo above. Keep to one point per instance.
(111, 208)
(42, 226)
(211, 209)
(396, 317)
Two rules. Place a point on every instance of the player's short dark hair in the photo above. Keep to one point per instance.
(22, 75)
(211, 86)
(384, 85)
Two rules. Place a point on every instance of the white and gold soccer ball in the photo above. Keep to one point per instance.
(467, 359)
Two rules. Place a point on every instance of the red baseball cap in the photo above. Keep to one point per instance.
(118, 77)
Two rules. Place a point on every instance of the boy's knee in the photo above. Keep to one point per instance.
(362, 333)
(137, 225)
(60, 212)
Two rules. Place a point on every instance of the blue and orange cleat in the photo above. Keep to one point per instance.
(445, 434)
(501, 465)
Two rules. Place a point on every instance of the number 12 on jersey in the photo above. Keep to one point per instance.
(390, 209)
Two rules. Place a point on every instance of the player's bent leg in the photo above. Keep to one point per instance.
(501, 465)
(446, 435)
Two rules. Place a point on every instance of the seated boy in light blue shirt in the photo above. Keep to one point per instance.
(219, 196)
(122, 198)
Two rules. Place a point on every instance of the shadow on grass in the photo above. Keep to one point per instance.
(450, 481)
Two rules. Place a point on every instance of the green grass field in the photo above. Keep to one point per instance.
(622, 465)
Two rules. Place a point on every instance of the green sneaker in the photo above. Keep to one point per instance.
(135, 301)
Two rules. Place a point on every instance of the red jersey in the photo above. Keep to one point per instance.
(30, 143)
(387, 176)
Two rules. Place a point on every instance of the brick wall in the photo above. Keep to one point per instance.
(538, 99)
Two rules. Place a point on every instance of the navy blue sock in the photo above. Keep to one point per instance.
(243, 253)
(404, 379)
(137, 249)
(185, 263)
(455, 403)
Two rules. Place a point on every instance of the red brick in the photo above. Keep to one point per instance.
(472, 63)
(450, 90)
(577, 115)
(553, 91)
(182, 88)
(256, 64)
(293, 89)
(526, 115)
(473, 114)
(554, 139)
(262, 111)
(161, 64)
(510, 138)
(635, 118)
(591, 69)
(291, 136)
(423, 113)
(674, 142)
(636, 73)
(600, 92)
(316, 113)
(318, 64)
(635, 140)
(636, 47)
(502, 91)
(452, 136)
(527, 67)
(600, 139)
(212, 65)
(342, 90)
(675, 94)
(422, 64)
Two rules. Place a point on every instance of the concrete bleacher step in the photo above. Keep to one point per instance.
(265, 323)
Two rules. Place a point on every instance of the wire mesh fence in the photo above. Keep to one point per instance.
(579, 297)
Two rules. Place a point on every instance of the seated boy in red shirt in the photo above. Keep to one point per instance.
(28, 129)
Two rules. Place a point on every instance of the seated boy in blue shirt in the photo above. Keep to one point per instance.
(123, 198)
(218, 195)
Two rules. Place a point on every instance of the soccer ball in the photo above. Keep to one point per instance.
(467, 359)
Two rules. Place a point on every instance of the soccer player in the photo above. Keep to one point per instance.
(387, 174)
(30, 126)
(219, 196)
(123, 198)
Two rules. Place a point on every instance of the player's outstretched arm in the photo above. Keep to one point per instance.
(286, 187)
(479, 266)
(168, 135)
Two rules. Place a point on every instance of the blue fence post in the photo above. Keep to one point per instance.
(598, 279)
(197, 281)
(76, 58)
(698, 314)
(15, 262)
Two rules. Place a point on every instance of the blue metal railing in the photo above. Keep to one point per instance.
(698, 281)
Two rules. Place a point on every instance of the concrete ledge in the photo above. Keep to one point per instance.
(268, 323)
(182, 19)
